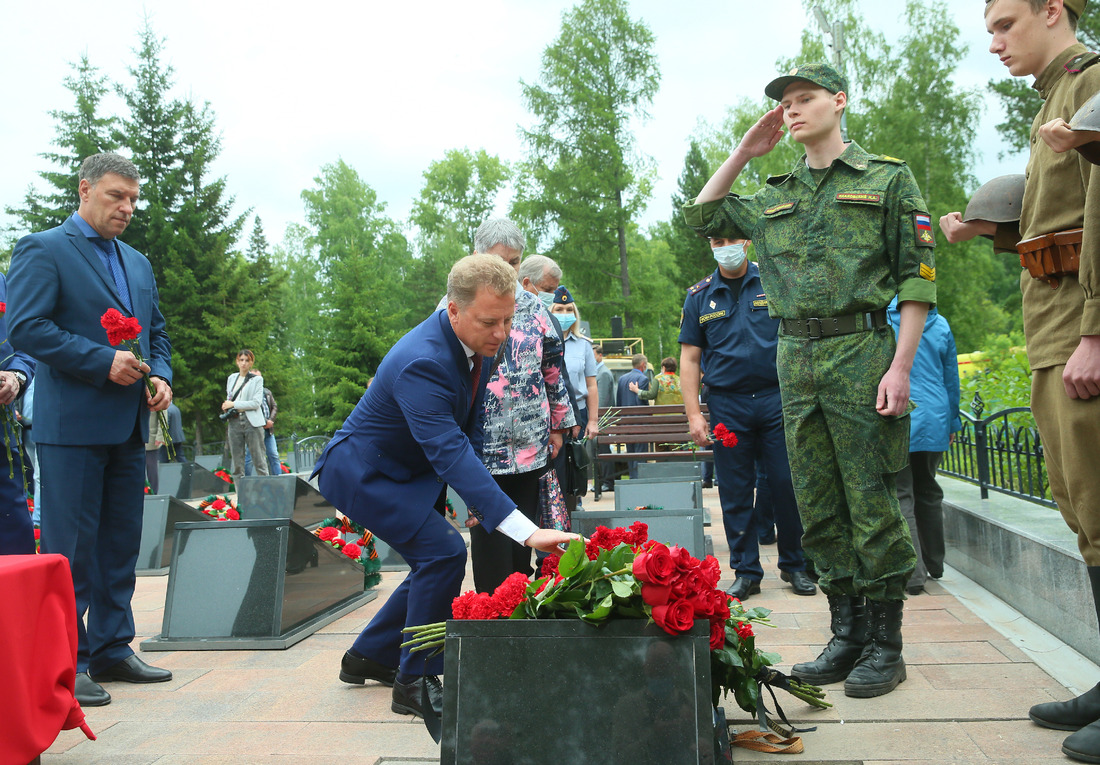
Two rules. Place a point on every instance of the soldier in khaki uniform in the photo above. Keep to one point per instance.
(1059, 224)
(837, 238)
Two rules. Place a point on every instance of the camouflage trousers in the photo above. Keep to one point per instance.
(844, 457)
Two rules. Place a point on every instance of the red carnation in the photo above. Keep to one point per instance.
(353, 551)
(328, 533)
(729, 440)
(511, 592)
(233, 515)
(550, 565)
(720, 431)
(337, 542)
(119, 328)
(676, 617)
(3, 307)
(217, 504)
(483, 607)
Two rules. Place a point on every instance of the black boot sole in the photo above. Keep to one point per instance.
(872, 690)
(828, 679)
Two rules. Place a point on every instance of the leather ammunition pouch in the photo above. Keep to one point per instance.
(1052, 256)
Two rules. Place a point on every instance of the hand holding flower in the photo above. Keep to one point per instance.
(126, 369)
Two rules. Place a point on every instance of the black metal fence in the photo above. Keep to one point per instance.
(1001, 452)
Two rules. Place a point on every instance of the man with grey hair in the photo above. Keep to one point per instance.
(91, 411)
(417, 430)
(500, 236)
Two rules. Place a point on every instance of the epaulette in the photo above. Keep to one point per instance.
(1078, 64)
(702, 285)
(776, 180)
(884, 158)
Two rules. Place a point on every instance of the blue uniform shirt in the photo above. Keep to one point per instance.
(737, 335)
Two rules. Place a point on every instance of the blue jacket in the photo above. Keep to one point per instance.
(627, 397)
(411, 434)
(58, 289)
(933, 384)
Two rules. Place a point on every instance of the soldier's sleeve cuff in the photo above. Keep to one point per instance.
(1008, 234)
(699, 216)
(1090, 317)
(920, 290)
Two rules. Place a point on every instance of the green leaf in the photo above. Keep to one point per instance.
(622, 589)
(573, 559)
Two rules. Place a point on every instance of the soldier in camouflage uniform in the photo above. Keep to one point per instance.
(837, 238)
(1061, 303)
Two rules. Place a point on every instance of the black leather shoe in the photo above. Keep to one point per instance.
(132, 670)
(356, 669)
(90, 693)
(799, 582)
(708, 484)
(1068, 715)
(407, 697)
(915, 589)
(742, 587)
(1084, 745)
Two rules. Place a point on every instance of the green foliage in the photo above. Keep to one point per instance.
(691, 251)
(459, 193)
(362, 258)
(583, 183)
(1003, 379)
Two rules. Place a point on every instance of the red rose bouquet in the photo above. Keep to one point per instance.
(127, 329)
(621, 573)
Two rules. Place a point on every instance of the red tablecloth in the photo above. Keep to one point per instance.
(37, 655)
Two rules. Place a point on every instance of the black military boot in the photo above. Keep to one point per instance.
(880, 668)
(849, 627)
(1083, 710)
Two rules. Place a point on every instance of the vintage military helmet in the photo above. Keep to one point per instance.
(1088, 118)
(998, 201)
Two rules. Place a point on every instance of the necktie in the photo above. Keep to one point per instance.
(475, 377)
(113, 265)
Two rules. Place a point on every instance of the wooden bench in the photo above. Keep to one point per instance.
(649, 425)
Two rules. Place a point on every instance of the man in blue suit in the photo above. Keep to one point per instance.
(627, 397)
(416, 430)
(91, 408)
(16, 530)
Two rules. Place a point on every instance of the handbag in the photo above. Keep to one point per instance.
(553, 513)
(576, 469)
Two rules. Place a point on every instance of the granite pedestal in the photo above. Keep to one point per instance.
(282, 496)
(189, 480)
(683, 527)
(158, 526)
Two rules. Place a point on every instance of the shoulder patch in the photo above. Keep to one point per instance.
(927, 272)
(1078, 64)
(922, 224)
(885, 158)
(702, 285)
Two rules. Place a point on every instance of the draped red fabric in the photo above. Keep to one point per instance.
(37, 655)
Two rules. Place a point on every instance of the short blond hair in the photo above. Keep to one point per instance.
(473, 272)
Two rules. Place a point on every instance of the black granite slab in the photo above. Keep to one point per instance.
(670, 525)
(162, 513)
(253, 584)
(188, 480)
(282, 496)
(547, 692)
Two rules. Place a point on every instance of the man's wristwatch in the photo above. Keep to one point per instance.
(21, 379)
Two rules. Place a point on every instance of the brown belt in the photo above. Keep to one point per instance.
(815, 329)
(1052, 256)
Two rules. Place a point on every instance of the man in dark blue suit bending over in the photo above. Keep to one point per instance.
(416, 430)
(91, 408)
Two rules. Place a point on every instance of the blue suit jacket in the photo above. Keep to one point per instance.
(413, 432)
(58, 290)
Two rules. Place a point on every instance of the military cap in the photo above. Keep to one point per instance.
(821, 75)
(562, 296)
(1077, 6)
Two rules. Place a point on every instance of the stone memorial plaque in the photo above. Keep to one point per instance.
(659, 493)
(282, 496)
(189, 480)
(253, 584)
(682, 527)
(158, 526)
(211, 462)
(646, 694)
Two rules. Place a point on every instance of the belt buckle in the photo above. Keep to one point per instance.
(810, 323)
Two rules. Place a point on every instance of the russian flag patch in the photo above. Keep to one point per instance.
(923, 224)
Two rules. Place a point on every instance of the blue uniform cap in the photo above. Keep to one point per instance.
(562, 296)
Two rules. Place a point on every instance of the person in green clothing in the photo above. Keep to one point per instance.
(836, 239)
(665, 387)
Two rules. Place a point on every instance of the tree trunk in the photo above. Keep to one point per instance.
(624, 272)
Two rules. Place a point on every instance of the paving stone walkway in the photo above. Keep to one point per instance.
(965, 701)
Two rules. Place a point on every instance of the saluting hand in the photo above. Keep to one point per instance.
(764, 135)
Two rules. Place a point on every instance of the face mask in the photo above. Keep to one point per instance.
(730, 257)
(566, 320)
(547, 299)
